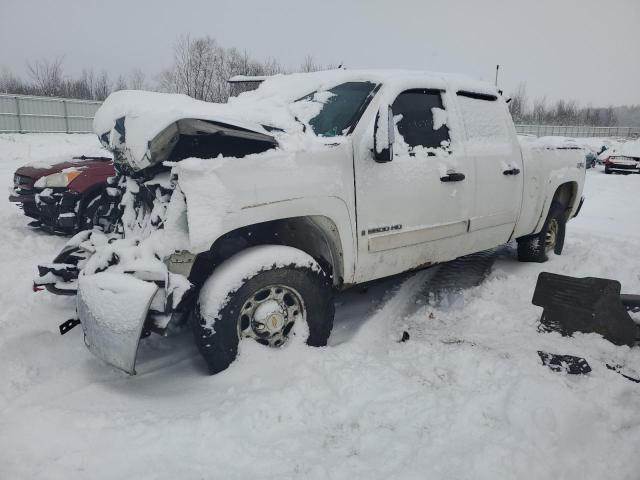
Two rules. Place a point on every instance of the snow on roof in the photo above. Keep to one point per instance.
(629, 149)
(624, 149)
(247, 78)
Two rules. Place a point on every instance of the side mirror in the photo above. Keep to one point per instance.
(383, 135)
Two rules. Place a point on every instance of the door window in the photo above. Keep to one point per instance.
(421, 119)
(485, 120)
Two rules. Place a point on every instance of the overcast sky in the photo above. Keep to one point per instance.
(587, 50)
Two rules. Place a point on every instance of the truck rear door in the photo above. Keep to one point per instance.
(492, 144)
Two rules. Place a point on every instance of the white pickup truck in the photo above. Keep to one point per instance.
(246, 216)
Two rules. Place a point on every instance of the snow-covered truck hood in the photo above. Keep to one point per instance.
(143, 128)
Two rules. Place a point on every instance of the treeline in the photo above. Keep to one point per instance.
(539, 111)
(200, 68)
(47, 78)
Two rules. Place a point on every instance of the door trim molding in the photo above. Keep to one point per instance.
(405, 238)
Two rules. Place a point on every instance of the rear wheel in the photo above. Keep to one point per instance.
(536, 248)
(261, 294)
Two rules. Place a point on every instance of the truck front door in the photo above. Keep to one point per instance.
(415, 209)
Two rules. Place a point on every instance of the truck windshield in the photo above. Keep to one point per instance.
(343, 105)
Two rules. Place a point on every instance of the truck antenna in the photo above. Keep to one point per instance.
(497, 69)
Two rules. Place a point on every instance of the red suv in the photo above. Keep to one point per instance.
(64, 197)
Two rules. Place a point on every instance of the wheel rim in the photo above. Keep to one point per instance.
(268, 315)
(552, 235)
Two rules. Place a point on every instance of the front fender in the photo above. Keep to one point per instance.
(333, 208)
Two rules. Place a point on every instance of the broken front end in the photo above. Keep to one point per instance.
(126, 283)
(133, 278)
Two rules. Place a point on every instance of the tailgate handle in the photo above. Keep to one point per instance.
(512, 171)
(453, 177)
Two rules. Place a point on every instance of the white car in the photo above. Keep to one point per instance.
(246, 216)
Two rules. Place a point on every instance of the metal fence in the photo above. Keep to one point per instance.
(26, 114)
(578, 131)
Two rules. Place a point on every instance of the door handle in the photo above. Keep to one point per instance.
(512, 171)
(453, 177)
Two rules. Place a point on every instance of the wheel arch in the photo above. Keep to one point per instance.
(566, 193)
(316, 235)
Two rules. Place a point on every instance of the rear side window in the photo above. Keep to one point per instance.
(484, 118)
(422, 119)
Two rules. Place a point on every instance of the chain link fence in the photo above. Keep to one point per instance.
(27, 114)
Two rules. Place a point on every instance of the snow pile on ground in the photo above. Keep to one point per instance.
(464, 397)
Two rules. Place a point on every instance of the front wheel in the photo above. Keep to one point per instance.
(260, 294)
(536, 248)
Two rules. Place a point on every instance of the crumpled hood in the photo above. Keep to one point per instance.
(128, 121)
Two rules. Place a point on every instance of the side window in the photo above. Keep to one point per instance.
(422, 118)
(484, 119)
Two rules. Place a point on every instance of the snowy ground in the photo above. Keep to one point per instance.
(465, 397)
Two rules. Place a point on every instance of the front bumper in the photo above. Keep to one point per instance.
(58, 209)
(617, 167)
(26, 199)
(55, 209)
(113, 309)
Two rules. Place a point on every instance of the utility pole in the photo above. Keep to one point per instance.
(497, 69)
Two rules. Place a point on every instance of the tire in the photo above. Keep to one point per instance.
(607, 171)
(232, 300)
(535, 248)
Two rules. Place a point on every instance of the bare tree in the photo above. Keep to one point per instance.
(270, 66)
(47, 76)
(539, 113)
(193, 70)
(608, 116)
(201, 69)
(9, 83)
(121, 84)
(102, 87)
(518, 103)
(137, 79)
(308, 64)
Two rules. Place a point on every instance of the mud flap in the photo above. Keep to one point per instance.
(112, 309)
(588, 305)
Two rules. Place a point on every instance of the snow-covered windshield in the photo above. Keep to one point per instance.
(342, 107)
